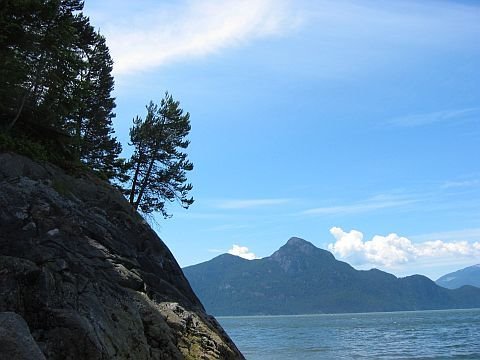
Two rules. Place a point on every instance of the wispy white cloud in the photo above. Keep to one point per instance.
(392, 250)
(192, 29)
(358, 36)
(460, 184)
(243, 252)
(343, 35)
(372, 204)
(202, 215)
(456, 115)
(251, 203)
(472, 234)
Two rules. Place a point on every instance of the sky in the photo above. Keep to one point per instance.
(353, 124)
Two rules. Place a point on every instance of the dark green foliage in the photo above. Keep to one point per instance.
(39, 61)
(24, 146)
(158, 164)
(56, 105)
(91, 122)
(56, 83)
(302, 279)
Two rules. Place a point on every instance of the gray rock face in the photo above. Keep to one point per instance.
(90, 277)
(16, 342)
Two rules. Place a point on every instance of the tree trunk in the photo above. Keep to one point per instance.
(144, 183)
(134, 182)
(20, 109)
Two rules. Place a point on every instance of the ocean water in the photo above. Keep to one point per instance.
(445, 334)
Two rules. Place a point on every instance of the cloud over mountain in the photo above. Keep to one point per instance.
(243, 252)
(392, 249)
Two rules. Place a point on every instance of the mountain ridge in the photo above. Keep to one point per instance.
(300, 278)
(466, 276)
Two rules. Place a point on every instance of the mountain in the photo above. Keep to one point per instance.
(83, 276)
(468, 276)
(300, 278)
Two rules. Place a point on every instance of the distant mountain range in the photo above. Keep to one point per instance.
(300, 278)
(468, 276)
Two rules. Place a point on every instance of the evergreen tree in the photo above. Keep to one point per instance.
(91, 123)
(56, 82)
(39, 61)
(158, 164)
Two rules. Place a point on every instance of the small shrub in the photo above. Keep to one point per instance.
(24, 146)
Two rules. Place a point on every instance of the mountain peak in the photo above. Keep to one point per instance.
(299, 245)
(300, 278)
(295, 245)
(296, 241)
(297, 254)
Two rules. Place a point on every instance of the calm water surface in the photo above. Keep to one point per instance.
(450, 334)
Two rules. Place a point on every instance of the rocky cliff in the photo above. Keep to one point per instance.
(84, 277)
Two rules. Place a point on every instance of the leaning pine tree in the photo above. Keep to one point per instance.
(159, 164)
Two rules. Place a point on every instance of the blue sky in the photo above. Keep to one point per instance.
(353, 124)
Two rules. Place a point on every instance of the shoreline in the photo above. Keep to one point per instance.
(343, 314)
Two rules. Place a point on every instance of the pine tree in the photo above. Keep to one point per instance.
(91, 122)
(158, 164)
(39, 61)
(56, 82)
